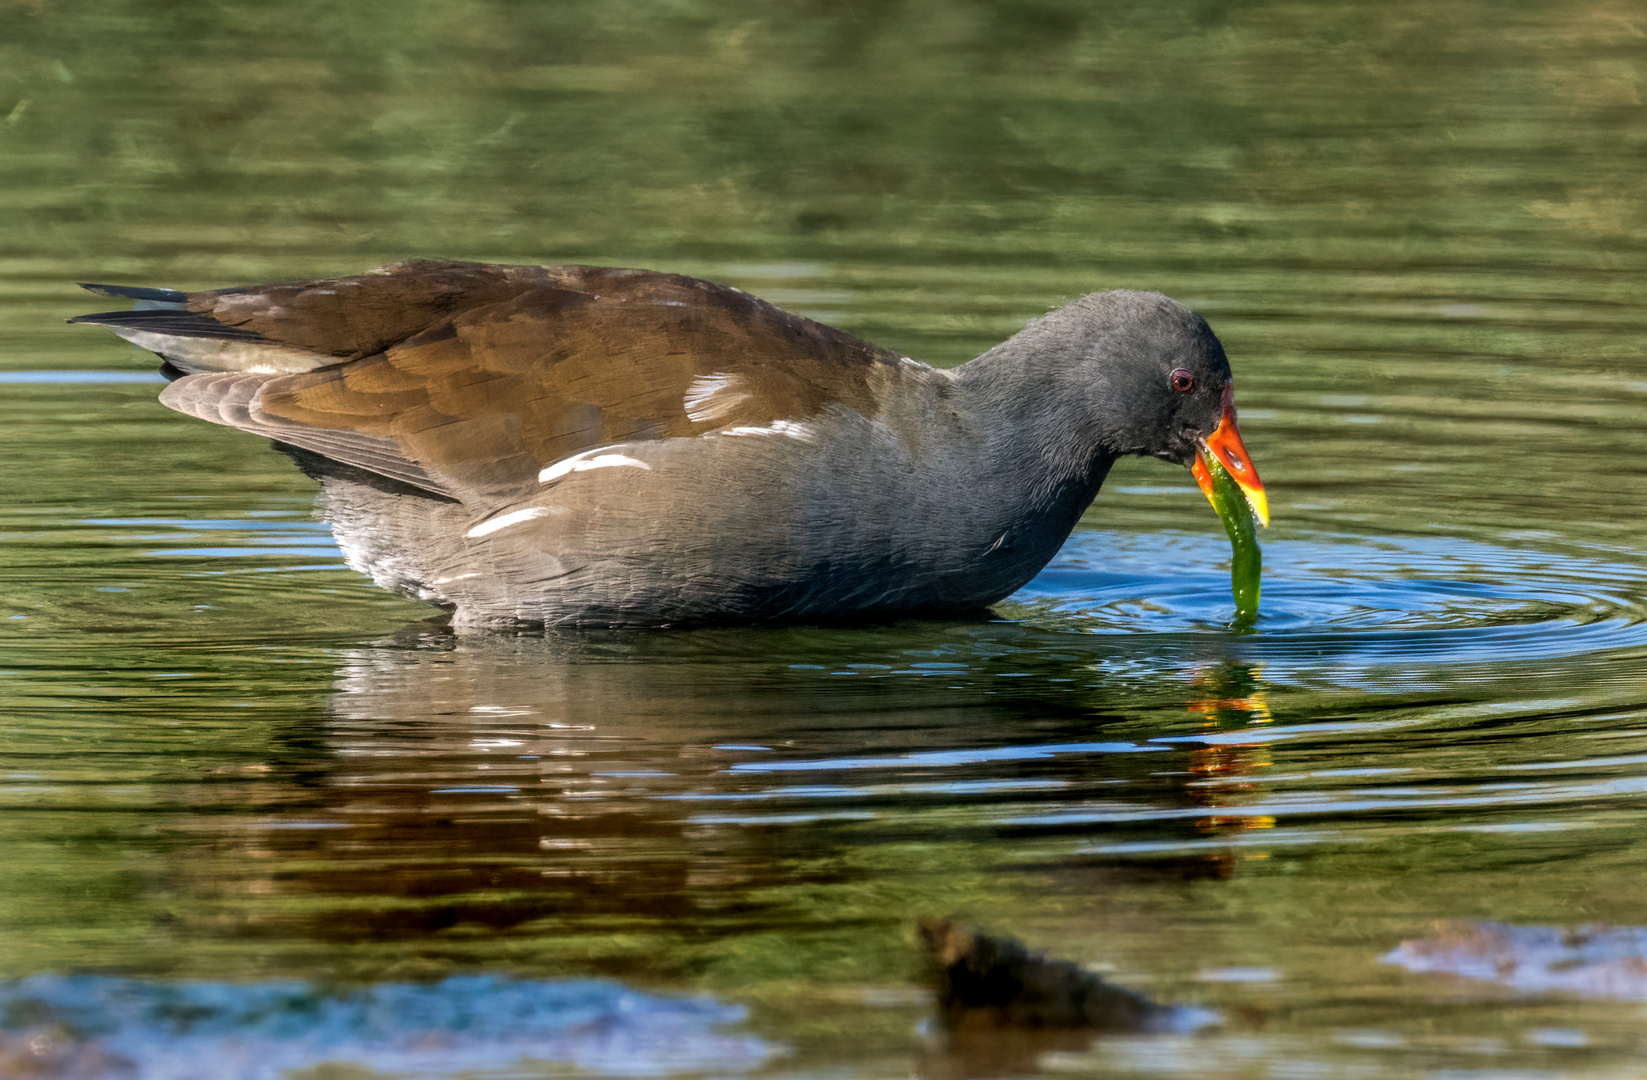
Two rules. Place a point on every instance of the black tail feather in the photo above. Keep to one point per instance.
(136, 292)
(170, 321)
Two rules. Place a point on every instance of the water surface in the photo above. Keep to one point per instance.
(250, 806)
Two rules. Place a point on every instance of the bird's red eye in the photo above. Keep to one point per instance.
(1181, 381)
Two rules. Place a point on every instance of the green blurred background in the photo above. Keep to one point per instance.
(1389, 150)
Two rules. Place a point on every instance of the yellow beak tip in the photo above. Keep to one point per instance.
(1260, 505)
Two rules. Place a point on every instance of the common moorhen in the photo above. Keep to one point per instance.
(577, 445)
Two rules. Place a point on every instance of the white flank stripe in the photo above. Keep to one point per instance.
(580, 462)
(778, 427)
(514, 517)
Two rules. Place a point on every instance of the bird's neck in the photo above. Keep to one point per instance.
(1037, 428)
(1038, 460)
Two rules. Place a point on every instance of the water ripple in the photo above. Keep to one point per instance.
(1114, 582)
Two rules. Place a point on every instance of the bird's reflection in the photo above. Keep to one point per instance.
(618, 803)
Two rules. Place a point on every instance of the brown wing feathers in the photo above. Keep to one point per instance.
(357, 316)
(466, 379)
(231, 398)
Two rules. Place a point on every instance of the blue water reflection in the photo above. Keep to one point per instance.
(89, 1027)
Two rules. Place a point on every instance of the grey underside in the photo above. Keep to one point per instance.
(743, 528)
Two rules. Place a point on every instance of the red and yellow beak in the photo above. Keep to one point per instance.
(1225, 444)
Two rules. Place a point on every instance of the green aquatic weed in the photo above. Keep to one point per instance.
(1246, 560)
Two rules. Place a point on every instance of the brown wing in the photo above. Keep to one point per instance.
(231, 398)
(468, 379)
